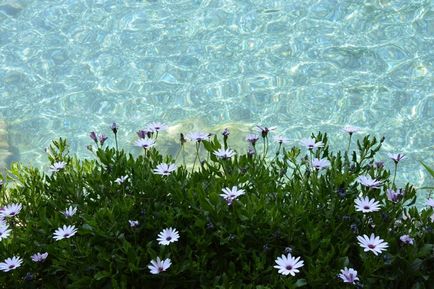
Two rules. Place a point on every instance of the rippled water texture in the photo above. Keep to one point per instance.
(69, 67)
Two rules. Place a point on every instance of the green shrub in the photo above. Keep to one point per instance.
(288, 206)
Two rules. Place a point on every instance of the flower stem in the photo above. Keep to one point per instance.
(177, 153)
(196, 156)
(310, 159)
(116, 141)
(183, 157)
(265, 147)
(263, 152)
(277, 152)
(394, 173)
(349, 143)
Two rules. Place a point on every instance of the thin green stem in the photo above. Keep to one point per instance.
(266, 147)
(394, 173)
(196, 156)
(310, 159)
(116, 141)
(277, 152)
(349, 143)
(183, 157)
(264, 150)
(177, 153)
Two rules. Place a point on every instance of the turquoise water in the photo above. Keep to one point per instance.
(69, 67)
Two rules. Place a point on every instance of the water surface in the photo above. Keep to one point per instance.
(69, 67)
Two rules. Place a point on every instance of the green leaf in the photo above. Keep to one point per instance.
(300, 283)
(101, 275)
(430, 171)
(426, 250)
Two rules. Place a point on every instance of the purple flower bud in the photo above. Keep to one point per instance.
(406, 239)
(397, 157)
(226, 132)
(182, 139)
(28, 277)
(354, 228)
(102, 139)
(210, 225)
(287, 250)
(265, 130)
(252, 139)
(394, 196)
(141, 133)
(93, 136)
(114, 128)
(251, 151)
(341, 193)
(379, 164)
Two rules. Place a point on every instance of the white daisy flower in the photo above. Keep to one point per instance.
(310, 143)
(366, 205)
(288, 264)
(372, 243)
(64, 232)
(164, 169)
(252, 138)
(133, 223)
(157, 266)
(4, 230)
(11, 210)
(397, 157)
(121, 179)
(11, 264)
(168, 236)
(39, 257)
(70, 212)
(430, 202)
(348, 275)
(351, 129)
(157, 126)
(58, 166)
(367, 181)
(320, 164)
(280, 139)
(231, 194)
(406, 239)
(198, 136)
(145, 143)
(224, 153)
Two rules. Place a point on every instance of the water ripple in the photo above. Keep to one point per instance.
(74, 66)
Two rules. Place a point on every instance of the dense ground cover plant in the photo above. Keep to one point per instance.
(304, 217)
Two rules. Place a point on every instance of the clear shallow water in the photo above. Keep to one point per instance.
(69, 67)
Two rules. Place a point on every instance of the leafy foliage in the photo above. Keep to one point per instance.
(288, 206)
